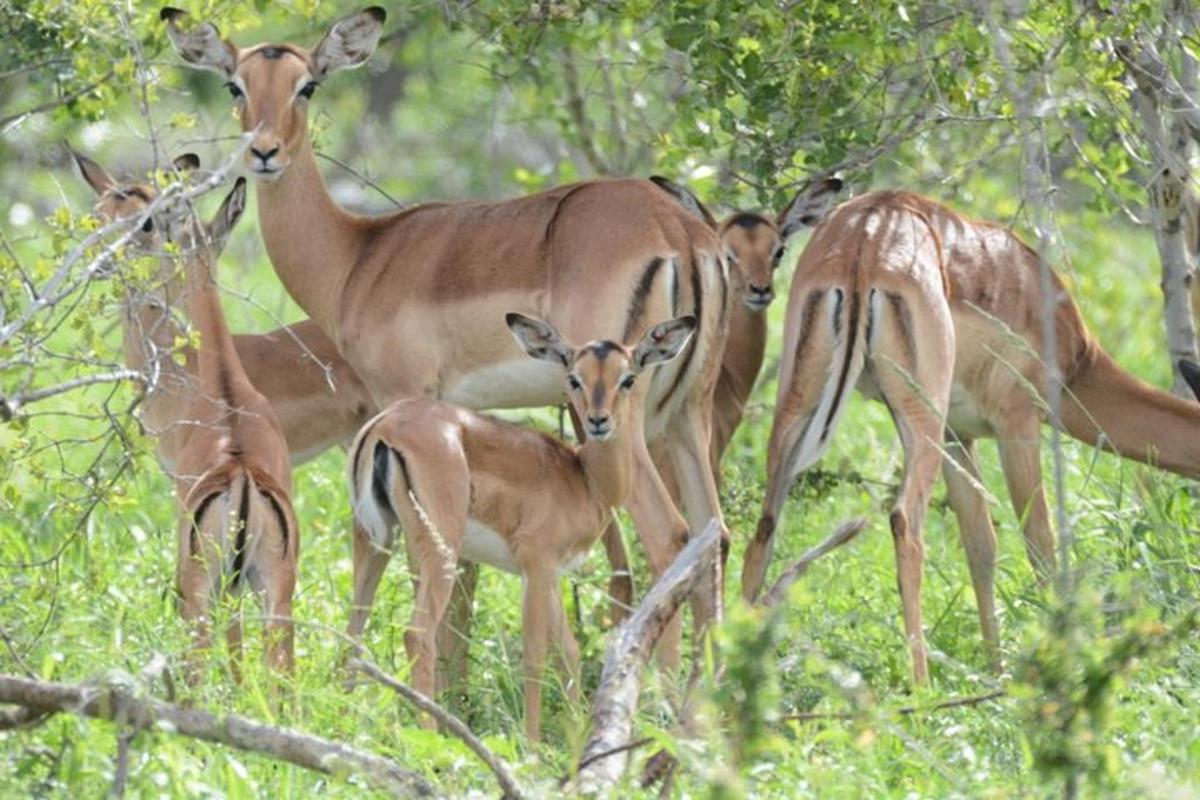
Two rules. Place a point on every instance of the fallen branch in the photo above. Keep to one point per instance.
(958, 702)
(606, 753)
(845, 532)
(119, 704)
(448, 722)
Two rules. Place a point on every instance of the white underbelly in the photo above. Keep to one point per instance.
(483, 545)
(521, 383)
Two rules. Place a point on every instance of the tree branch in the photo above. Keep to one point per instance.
(606, 752)
(119, 704)
(9, 406)
(448, 721)
(845, 532)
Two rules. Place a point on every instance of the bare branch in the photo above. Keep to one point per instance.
(10, 406)
(7, 123)
(957, 702)
(448, 721)
(119, 704)
(845, 532)
(606, 752)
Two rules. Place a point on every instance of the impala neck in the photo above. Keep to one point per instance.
(312, 242)
(607, 465)
(217, 364)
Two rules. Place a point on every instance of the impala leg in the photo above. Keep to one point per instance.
(279, 629)
(370, 562)
(977, 535)
(195, 589)
(916, 387)
(454, 636)
(661, 529)
(1019, 437)
(233, 639)
(435, 581)
(689, 447)
(568, 650)
(538, 618)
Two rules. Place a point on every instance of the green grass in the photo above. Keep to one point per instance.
(106, 605)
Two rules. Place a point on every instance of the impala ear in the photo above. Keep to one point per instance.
(96, 176)
(350, 41)
(187, 162)
(227, 216)
(685, 198)
(663, 342)
(538, 338)
(200, 45)
(1191, 373)
(809, 206)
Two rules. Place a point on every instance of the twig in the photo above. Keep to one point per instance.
(845, 532)
(7, 122)
(957, 702)
(9, 406)
(625, 748)
(114, 703)
(363, 179)
(448, 721)
(604, 759)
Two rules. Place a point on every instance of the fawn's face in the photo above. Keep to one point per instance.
(601, 374)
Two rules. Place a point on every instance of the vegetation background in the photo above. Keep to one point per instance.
(1038, 115)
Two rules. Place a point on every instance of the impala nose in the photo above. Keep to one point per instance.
(599, 426)
(264, 155)
(759, 297)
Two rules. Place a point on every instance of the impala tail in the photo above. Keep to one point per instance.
(1104, 405)
(824, 356)
(242, 520)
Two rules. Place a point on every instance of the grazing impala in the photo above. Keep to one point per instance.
(415, 301)
(461, 484)
(221, 441)
(940, 316)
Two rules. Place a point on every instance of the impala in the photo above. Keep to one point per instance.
(225, 448)
(415, 300)
(754, 245)
(940, 316)
(461, 484)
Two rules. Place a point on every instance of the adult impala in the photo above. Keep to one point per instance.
(221, 442)
(467, 485)
(415, 301)
(940, 316)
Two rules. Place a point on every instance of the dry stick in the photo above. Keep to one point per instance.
(662, 763)
(605, 755)
(957, 702)
(845, 532)
(283, 744)
(448, 720)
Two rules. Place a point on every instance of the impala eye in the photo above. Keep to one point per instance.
(307, 90)
(627, 383)
(235, 91)
(775, 258)
(149, 226)
(573, 382)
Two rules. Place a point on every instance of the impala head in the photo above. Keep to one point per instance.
(754, 243)
(601, 374)
(271, 84)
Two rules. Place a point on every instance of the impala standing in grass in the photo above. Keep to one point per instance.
(415, 301)
(463, 485)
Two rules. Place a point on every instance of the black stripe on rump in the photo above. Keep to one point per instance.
(637, 304)
(698, 311)
(197, 517)
(239, 547)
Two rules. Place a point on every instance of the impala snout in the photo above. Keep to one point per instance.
(757, 298)
(599, 426)
(265, 158)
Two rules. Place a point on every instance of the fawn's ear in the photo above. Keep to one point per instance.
(663, 342)
(350, 42)
(200, 45)
(1191, 373)
(539, 339)
(227, 216)
(96, 176)
(809, 206)
(685, 198)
